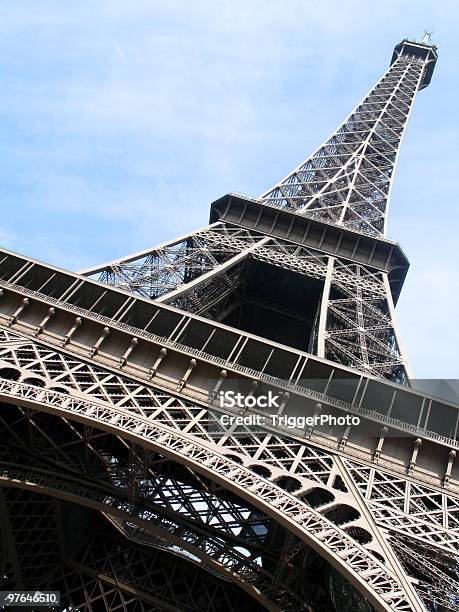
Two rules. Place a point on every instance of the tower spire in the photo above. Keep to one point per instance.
(256, 266)
(347, 180)
(221, 430)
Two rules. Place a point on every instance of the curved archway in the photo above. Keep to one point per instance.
(234, 458)
(261, 470)
(317, 497)
(340, 514)
(361, 569)
(288, 483)
(358, 533)
(60, 389)
(46, 484)
(35, 381)
(10, 373)
(192, 554)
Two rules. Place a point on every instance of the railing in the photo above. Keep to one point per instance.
(248, 372)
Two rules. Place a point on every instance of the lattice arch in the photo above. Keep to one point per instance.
(304, 522)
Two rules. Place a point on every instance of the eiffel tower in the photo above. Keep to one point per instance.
(127, 485)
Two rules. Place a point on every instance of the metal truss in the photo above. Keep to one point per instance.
(216, 528)
(303, 520)
(121, 486)
(168, 266)
(409, 508)
(439, 576)
(347, 180)
(148, 336)
(356, 324)
(164, 580)
(358, 500)
(97, 568)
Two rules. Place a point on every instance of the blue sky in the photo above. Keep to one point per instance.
(122, 120)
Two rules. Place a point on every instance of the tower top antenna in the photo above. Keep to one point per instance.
(427, 37)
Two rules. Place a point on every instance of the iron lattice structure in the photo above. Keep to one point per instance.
(121, 485)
